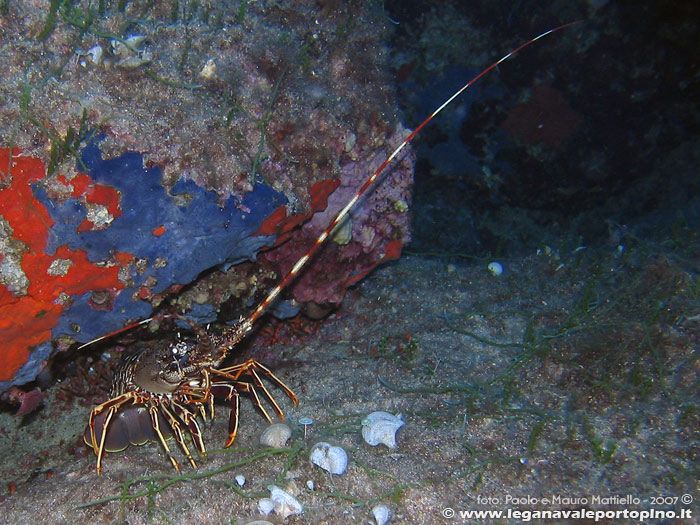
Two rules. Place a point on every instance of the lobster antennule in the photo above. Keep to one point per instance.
(248, 323)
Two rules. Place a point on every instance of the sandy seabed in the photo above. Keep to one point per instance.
(543, 388)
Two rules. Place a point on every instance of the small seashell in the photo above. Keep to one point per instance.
(381, 427)
(240, 479)
(118, 48)
(350, 141)
(342, 233)
(209, 69)
(381, 514)
(285, 504)
(135, 41)
(401, 206)
(329, 458)
(128, 46)
(94, 54)
(495, 268)
(134, 61)
(265, 506)
(310, 484)
(276, 435)
(129, 53)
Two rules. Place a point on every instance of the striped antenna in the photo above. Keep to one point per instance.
(98, 339)
(247, 324)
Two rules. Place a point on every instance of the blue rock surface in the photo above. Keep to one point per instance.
(200, 233)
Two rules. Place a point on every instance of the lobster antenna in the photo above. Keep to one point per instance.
(247, 324)
(134, 325)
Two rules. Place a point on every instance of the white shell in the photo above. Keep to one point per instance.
(134, 61)
(329, 458)
(381, 427)
(240, 480)
(265, 506)
(135, 40)
(209, 69)
(122, 49)
(495, 268)
(118, 48)
(95, 55)
(342, 233)
(381, 514)
(285, 504)
(310, 484)
(276, 435)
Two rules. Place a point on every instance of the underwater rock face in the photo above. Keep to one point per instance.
(68, 274)
(380, 228)
(279, 111)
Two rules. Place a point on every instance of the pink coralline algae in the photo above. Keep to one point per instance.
(28, 401)
(380, 228)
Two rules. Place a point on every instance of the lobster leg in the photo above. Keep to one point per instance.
(234, 385)
(190, 419)
(251, 367)
(116, 403)
(101, 448)
(276, 380)
(153, 410)
(234, 400)
(177, 430)
(250, 388)
(111, 406)
(258, 383)
(233, 418)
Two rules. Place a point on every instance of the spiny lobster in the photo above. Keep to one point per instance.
(160, 392)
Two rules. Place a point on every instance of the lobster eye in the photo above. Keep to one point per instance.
(180, 349)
